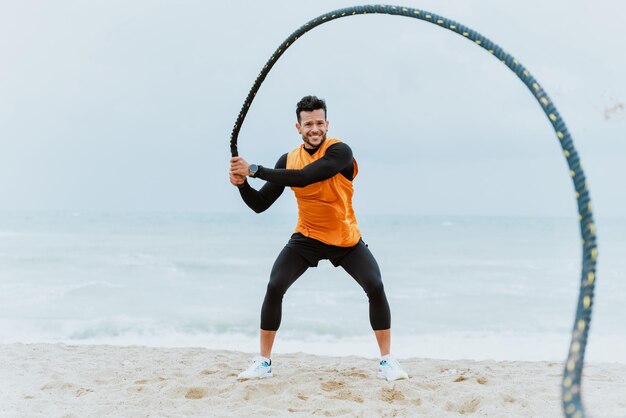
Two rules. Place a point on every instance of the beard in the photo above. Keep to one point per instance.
(309, 142)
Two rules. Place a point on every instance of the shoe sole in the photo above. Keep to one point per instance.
(264, 376)
(382, 376)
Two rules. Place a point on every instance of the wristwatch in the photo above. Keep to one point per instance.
(252, 170)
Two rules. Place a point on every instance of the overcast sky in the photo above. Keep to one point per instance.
(129, 105)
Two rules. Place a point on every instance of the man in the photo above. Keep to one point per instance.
(320, 172)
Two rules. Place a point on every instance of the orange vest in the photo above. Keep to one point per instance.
(325, 208)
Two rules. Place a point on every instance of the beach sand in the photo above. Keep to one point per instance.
(57, 380)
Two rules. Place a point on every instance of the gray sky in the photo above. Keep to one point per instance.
(117, 105)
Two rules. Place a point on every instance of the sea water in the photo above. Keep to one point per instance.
(459, 287)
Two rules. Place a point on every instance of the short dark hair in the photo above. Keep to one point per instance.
(309, 104)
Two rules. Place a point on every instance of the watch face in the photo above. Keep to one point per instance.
(253, 168)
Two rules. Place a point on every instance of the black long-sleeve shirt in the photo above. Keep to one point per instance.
(337, 159)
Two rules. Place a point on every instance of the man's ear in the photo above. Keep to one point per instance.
(299, 128)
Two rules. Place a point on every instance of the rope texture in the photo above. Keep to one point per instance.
(571, 383)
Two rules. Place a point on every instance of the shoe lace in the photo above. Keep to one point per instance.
(256, 363)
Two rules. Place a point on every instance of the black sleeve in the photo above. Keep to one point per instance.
(262, 199)
(338, 156)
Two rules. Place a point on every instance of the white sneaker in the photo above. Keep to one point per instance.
(390, 369)
(260, 368)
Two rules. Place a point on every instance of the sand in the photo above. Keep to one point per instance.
(57, 380)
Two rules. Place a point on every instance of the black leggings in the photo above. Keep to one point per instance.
(302, 253)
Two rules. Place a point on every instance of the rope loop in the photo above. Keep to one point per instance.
(570, 387)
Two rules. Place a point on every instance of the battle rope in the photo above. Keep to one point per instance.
(571, 390)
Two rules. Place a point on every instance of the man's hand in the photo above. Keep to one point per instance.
(236, 180)
(239, 167)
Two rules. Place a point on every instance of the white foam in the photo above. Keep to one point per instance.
(451, 346)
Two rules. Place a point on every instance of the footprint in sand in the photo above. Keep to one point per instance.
(341, 390)
(348, 395)
(83, 391)
(511, 399)
(508, 399)
(332, 385)
(195, 393)
(466, 406)
(56, 385)
(354, 373)
(391, 395)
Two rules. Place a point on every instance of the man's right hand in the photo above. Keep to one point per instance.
(236, 180)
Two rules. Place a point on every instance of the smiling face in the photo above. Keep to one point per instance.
(313, 127)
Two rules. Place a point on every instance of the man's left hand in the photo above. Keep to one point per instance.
(239, 166)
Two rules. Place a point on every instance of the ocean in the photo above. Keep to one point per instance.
(479, 288)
